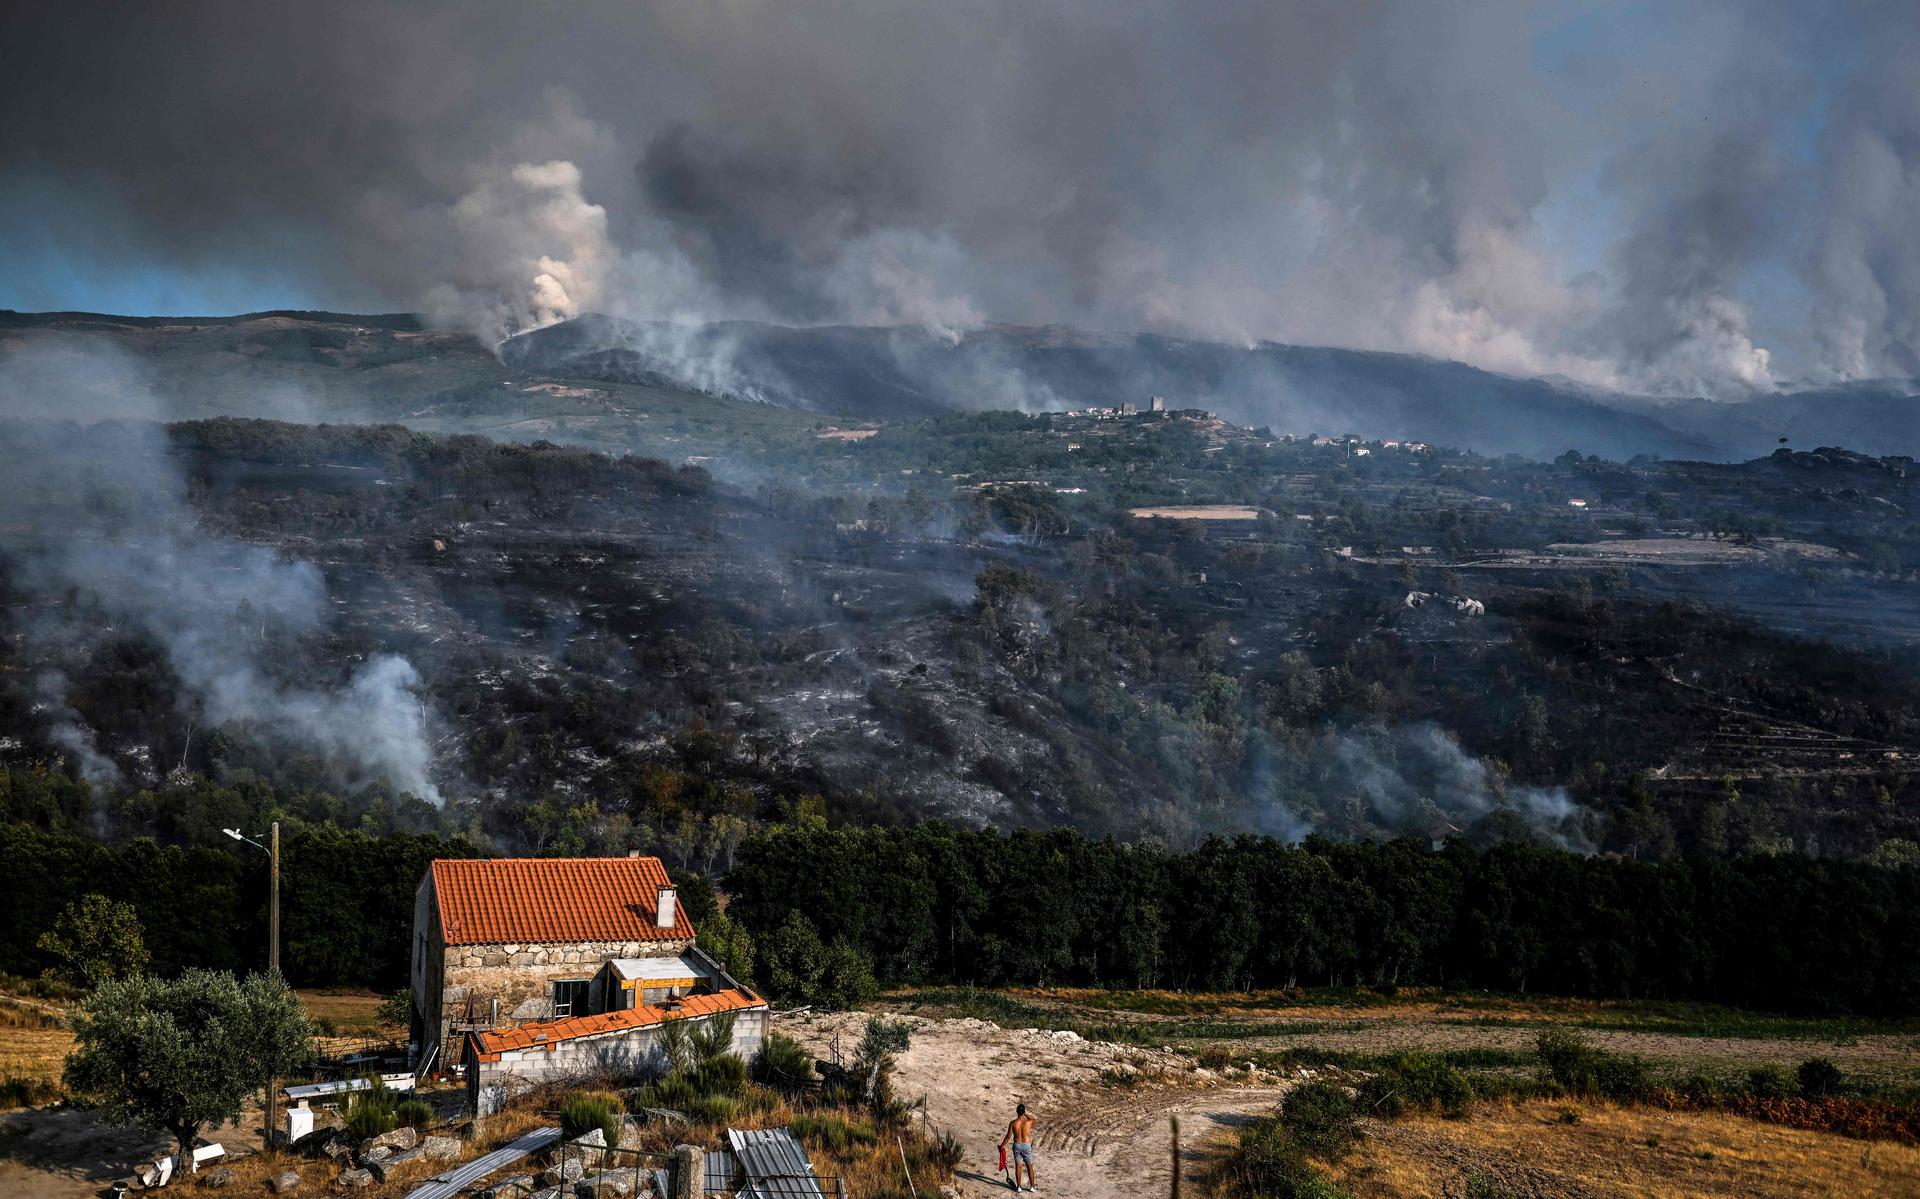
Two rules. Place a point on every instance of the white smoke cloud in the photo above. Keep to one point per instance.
(117, 547)
(1401, 780)
(525, 249)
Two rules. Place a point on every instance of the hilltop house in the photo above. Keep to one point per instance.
(549, 966)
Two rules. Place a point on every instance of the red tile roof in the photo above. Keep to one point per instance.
(491, 901)
(492, 1044)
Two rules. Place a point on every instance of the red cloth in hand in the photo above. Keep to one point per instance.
(1003, 1157)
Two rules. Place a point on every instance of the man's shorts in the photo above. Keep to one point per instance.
(1023, 1154)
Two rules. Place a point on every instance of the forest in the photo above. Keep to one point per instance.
(935, 904)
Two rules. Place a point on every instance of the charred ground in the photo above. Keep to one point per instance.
(959, 617)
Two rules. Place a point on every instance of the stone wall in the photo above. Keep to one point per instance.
(521, 976)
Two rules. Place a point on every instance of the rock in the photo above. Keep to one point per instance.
(440, 1149)
(403, 1137)
(385, 1167)
(631, 1132)
(219, 1176)
(320, 1143)
(354, 1177)
(549, 1193)
(376, 1153)
(613, 1184)
(516, 1187)
(285, 1181)
(566, 1170)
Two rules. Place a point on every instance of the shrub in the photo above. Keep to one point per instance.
(1415, 1080)
(583, 1113)
(16, 1091)
(1320, 1117)
(1577, 1068)
(785, 1064)
(1769, 1082)
(675, 1092)
(724, 1074)
(1268, 1162)
(1818, 1078)
(395, 1010)
(414, 1113)
(713, 1109)
(371, 1112)
(832, 1131)
(1700, 1088)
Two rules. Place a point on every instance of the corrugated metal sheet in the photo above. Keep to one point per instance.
(775, 1163)
(452, 1182)
(720, 1170)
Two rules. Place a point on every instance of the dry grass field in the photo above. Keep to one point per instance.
(1532, 1149)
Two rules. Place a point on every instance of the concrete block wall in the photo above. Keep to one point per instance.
(633, 1054)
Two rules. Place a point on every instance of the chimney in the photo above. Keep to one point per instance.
(665, 917)
(633, 853)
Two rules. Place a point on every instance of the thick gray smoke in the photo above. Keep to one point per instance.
(1709, 197)
(120, 550)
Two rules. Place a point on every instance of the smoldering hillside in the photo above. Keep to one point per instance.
(570, 649)
(711, 390)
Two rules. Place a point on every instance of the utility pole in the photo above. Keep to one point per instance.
(272, 850)
(273, 968)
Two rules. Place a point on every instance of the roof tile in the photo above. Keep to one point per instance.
(497, 900)
(492, 1044)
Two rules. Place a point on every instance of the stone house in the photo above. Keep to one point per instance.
(538, 966)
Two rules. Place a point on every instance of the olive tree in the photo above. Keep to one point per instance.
(180, 1054)
(95, 940)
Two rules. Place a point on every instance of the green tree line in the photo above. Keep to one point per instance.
(933, 904)
(936, 905)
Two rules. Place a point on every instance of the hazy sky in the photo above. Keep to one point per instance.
(1670, 196)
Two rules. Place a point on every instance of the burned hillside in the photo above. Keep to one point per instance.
(961, 618)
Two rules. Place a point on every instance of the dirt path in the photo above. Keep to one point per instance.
(1095, 1140)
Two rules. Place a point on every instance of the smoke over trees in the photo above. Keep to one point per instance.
(1702, 200)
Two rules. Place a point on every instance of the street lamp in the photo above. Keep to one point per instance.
(272, 850)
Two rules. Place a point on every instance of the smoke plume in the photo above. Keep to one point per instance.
(1703, 198)
(118, 549)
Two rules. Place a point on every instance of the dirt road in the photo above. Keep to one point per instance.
(1097, 1136)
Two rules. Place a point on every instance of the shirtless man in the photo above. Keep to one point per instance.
(1020, 1133)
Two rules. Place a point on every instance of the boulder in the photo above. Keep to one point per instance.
(370, 1154)
(440, 1149)
(219, 1176)
(353, 1176)
(385, 1167)
(561, 1173)
(285, 1182)
(320, 1143)
(631, 1132)
(516, 1187)
(590, 1147)
(612, 1184)
(403, 1137)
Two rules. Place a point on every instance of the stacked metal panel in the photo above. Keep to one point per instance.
(775, 1164)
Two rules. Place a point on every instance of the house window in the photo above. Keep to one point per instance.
(570, 997)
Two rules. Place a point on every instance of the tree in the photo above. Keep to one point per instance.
(793, 958)
(183, 1053)
(96, 940)
(728, 943)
